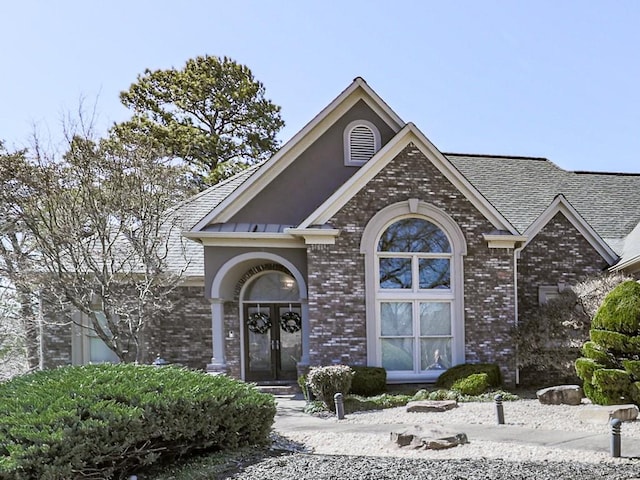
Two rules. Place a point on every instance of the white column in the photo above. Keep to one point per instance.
(217, 333)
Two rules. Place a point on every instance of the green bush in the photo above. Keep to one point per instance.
(460, 397)
(610, 367)
(611, 381)
(593, 351)
(107, 421)
(585, 368)
(474, 384)
(325, 382)
(368, 381)
(448, 378)
(613, 342)
(633, 368)
(620, 310)
(357, 403)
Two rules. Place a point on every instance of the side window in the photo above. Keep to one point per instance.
(361, 142)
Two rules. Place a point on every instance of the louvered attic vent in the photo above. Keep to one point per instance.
(362, 143)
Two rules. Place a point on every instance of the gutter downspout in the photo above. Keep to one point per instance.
(516, 256)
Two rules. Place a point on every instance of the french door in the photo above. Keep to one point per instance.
(272, 341)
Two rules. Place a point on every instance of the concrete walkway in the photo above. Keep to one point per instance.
(290, 417)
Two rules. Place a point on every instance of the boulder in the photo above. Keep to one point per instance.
(431, 405)
(430, 439)
(561, 395)
(602, 414)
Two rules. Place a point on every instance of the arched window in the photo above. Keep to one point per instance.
(361, 142)
(414, 291)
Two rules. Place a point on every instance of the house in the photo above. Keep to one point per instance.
(361, 243)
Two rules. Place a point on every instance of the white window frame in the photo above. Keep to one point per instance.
(413, 208)
(347, 141)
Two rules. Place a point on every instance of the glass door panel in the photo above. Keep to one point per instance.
(258, 342)
(290, 342)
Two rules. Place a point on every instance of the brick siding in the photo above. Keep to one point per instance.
(337, 278)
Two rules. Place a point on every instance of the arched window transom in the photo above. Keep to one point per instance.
(414, 254)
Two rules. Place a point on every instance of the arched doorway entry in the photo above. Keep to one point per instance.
(272, 327)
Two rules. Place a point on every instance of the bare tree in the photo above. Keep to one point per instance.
(16, 255)
(100, 219)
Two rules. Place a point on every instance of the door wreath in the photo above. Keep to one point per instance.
(259, 323)
(291, 322)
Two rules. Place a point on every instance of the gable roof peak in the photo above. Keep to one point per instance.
(356, 91)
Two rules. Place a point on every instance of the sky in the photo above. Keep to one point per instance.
(558, 79)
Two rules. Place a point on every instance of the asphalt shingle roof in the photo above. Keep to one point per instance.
(521, 188)
(190, 212)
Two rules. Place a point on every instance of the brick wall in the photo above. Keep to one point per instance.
(183, 336)
(337, 276)
(558, 254)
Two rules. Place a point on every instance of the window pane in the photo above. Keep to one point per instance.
(435, 318)
(396, 319)
(434, 273)
(100, 353)
(435, 353)
(414, 235)
(397, 353)
(395, 273)
(273, 286)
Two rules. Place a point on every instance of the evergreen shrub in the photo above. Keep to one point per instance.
(451, 376)
(368, 381)
(610, 368)
(109, 421)
(474, 384)
(325, 382)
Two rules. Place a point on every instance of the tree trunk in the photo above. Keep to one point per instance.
(31, 327)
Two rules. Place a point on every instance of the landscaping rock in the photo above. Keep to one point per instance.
(431, 405)
(561, 395)
(602, 414)
(430, 439)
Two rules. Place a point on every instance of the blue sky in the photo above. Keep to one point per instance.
(555, 79)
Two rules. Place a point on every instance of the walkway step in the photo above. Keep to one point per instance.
(287, 389)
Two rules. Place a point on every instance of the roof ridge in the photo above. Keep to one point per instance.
(618, 174)
(481, 155)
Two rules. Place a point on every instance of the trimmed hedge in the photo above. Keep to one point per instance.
(610, 368)
(368, 381)
(108, 421)
(451, 376)
(325, 382)
(620, 310)
(474, 384)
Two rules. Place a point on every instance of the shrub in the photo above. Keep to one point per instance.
(368, 381)
(325, 382)
(613, 342)
(597, 353)
(620, 310)
(474, 384)
(357, 403)
(585, 368)
(460, 397)
(633, 368)
(448, 378)
(106, 421)
(610, 379)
